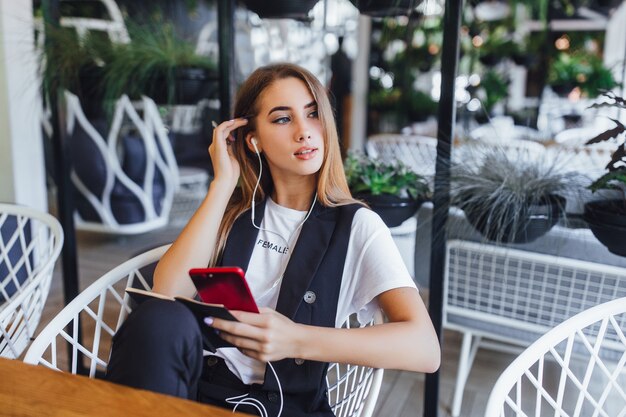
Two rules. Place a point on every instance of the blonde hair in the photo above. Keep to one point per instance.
(332, 187)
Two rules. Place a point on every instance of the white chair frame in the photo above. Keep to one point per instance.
(21, 312)
(154, 137)
(503, 299)
(353, 390)
(586, 380)
(493, 133)
(417, 152)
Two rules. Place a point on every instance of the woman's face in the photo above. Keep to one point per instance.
(288, 129)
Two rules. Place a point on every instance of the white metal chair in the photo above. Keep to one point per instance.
(418, 152)
(159, 161)
(576, 369)
(504, 299)
(103, 307)
(30, 243)
(500, 134)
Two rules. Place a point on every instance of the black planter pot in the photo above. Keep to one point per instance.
(279, 9)
(193, 85)
(384, 8)
(190, 86)
(393, 210)
(90, 91)
(535, 221)
(562, 90)
(607, 222)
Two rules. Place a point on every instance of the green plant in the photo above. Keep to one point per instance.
(65, 58)
(420, 105)
(495, 87)
(151, 60)
(583, 70)
(615, 178)
(372, 176)
(501, 186)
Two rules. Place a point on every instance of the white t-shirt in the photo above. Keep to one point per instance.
(373, 265)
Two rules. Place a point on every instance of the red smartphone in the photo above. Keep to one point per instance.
(224, 285)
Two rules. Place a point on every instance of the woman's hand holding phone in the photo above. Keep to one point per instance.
(225, 166)
(267, 336)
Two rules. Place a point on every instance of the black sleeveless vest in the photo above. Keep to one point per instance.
(309, 294)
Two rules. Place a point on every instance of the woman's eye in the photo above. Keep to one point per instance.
(282, 120)
(314, 114)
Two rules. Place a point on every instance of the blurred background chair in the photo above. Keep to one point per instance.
(577, 368)
(502, 298)
(503, 133)
(102, 307)
(30, 243)
(125, 183)
(417, 152)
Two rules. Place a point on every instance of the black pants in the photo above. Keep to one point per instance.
(159, 348)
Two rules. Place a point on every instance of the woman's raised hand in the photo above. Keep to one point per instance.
(225, 166)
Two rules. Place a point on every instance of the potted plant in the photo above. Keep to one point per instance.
(607, 217)
(76, 65)
(580, 69)
(159, 64)
(510, 196)
(392, 190)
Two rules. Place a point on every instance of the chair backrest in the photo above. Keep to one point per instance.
(30, 243)
(502, 134)
(515, 295)
(102, 308)
(418, 152)
(141, 202)
(565, 373)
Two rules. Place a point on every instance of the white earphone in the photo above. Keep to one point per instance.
(253, 141)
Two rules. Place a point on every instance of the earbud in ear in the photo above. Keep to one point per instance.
(253, 141)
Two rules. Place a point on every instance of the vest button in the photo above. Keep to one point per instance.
(299, 361)
(309, 297)
(272, 396)
(211, 360)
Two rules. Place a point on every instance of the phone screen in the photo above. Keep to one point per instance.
(224, 285)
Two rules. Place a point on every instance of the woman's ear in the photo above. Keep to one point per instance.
(253, 143)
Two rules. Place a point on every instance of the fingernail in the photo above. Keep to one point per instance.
(208, 321)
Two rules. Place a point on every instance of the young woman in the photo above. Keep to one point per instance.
(312, 254)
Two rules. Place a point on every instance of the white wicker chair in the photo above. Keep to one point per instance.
(159, 160)
(504, 299)
(418, 152)
(576, 369)
(30, 243)
(501, 134)
(104, 306)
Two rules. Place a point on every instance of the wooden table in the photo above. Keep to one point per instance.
(27, 390)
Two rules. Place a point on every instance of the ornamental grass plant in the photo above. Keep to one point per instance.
(501, 190)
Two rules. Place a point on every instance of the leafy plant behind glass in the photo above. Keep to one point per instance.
(615, 179)
(150, 61)
(66, 57)
(372, 176)
(504, 184)
(581, 69)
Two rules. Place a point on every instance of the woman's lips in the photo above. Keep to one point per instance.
(305, 153)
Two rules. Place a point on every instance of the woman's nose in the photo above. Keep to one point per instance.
(304, 135)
